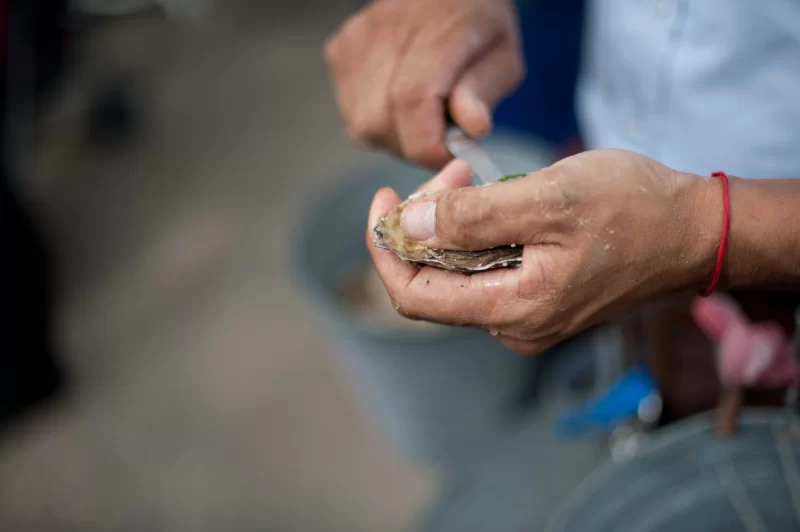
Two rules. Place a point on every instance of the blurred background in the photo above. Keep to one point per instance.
(173, 152)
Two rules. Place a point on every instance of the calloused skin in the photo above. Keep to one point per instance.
(604, 232)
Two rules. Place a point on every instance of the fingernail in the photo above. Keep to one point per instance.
(419, 219)
(482, 108)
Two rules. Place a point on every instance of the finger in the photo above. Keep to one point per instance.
(372, 122)
(388, 265)
(456, 174)
(369, 120)
(474, 218)
(435, 60)
(437, 295)
(420, 133)
(524, 347)
(398, 275)
(362, 78)
(483, 86)
(483, 300)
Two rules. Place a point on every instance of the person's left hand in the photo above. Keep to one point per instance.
(603, 232)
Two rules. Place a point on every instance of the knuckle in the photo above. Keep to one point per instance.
(405, 314)
(543, 278)
(330, 49)
(368, 128)
(422, 151)
(351, 35)
(460, 233)
(481, 22)
(405, 311)
(458, 215)
(410, 94)
(401, 303)
(354, 26)
(359, 137)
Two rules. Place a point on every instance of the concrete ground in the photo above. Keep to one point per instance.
(204, 394)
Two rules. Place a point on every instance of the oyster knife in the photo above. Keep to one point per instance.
(464, 147)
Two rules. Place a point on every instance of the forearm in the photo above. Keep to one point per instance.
(764, 239)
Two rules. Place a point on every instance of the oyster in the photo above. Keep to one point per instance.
(391, 237)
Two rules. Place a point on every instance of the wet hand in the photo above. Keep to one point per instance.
(603, 232)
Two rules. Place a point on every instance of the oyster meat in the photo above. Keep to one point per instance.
(390, 236)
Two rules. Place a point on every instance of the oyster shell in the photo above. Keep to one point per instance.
(390, 236)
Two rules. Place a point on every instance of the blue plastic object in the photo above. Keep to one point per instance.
(603, 413)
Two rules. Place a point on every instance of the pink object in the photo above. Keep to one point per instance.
(749, 355)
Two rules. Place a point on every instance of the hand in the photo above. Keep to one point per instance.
(603, 232)
(396, 63)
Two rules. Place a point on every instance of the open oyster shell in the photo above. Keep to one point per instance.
(390, 236)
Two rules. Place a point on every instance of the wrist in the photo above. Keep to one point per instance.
(701, 238)
(762, 246)
(765, 234)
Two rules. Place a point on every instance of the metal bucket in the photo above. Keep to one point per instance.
(687, 478)
(441, 393)
(679, 478)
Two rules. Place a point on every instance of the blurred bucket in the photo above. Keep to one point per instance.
(682, 477)
(685, 477)
(441, 393)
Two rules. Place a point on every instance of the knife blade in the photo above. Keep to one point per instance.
(462, 146)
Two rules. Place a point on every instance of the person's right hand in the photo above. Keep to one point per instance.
(399, 65)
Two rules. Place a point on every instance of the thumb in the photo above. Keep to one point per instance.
(483, 86)
(477, 218)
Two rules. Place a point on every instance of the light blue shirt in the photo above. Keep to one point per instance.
(700, 85)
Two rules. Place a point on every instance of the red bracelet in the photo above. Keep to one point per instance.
(726, 201)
